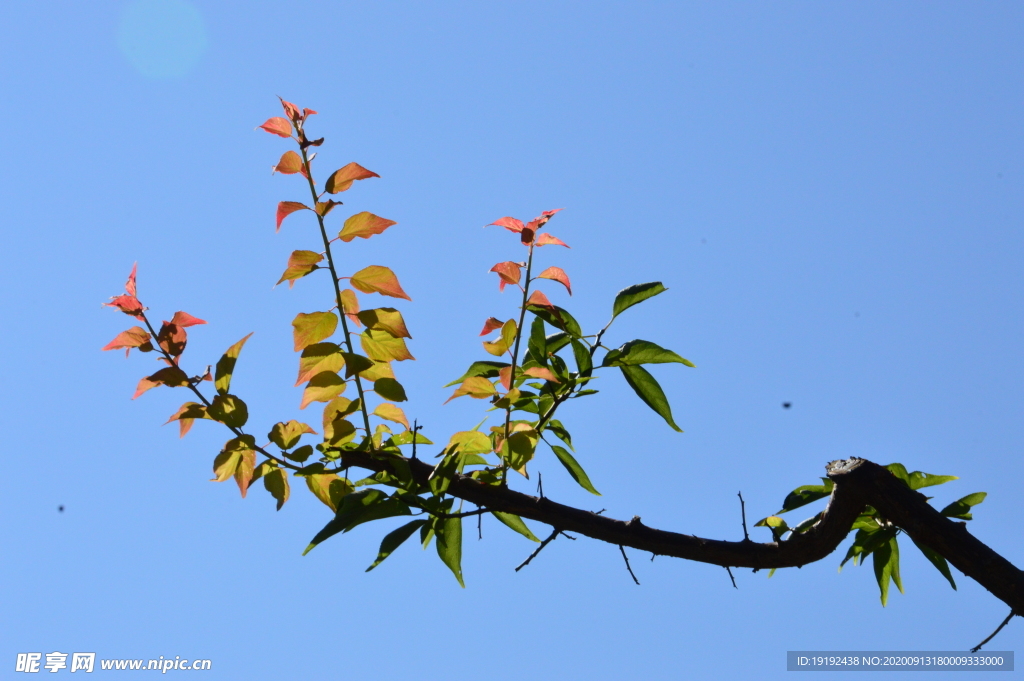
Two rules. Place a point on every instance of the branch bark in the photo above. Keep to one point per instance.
(857, 483)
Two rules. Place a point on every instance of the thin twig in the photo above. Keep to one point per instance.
(479, 526)
(540, 548)
(993, 634)
(731, 577)
(743, 513)
(540, 485)
(626, 558)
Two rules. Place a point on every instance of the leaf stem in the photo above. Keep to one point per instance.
(515, 361)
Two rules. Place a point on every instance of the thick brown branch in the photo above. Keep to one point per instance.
(858, 483)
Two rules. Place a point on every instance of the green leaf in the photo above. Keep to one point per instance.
(226, 366)
(644, 385)
(806, 494)
(229, 410)
(574, 468)
(558, 318)
(887, 564)
(537, 345)
(323, 387)
(556, 427)
(406, 438)
(449, 545)
(389, 389)
(557, 341)
(917, 479)
(776, 524)
(276, 482)
(938, 561)
(584, 363)
(301, 454)
(392, 540)
(484, 369)
(286, 435)
(357, 508)
(865, 543)
(516, 523)
(637, 352)
(312, 328)
(638, 293)
(961, 508)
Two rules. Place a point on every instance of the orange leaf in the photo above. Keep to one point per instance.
(132, 338)
(319, 357)
(185, 319)
(278, 126)
(386, 319)
(171, 376)
(391, 412)
(300, 263)
(557, 274)
(128, 304)
(313, 328)
(290, 110)
(244, 470)
(546, 239)
(474, 386)
(350, 305)
(378, 279)
(491, 324)
(539, 299)
(186, 415)
(322, 208)
(172, 339)
(508, 272)
(363, 225)
(286, 208)
(323, 387)
(289, 164)
(381, 346)
(541, 220)
(377, 371)
(541, 372)
(129, 285)
(511, 224)
(505, 376)
(342, 179)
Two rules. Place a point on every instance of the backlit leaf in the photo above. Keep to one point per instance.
(186, 415)
(491, 324)
(289, 164)
(228, 460)
(538, 299)
(169, 376)
(363, 225)
(541, 372)
(470, 442)
(276, 482)
(391, 412)
(244, 470)
(300, 263)
(286, 434)
(356, 364)
(342, 179)
(226, 367)
(806, 494)
(185, 319)
(317, 358)
(515, 523)
(350, 304)
(378, 279)
(278, 126)
(917, 479)
(377, 371)
(128, 304)
(323, 387)
(557, 274)
(394, 539)
(329, 488)
(229, 410)
(574, 468)
(172, 339)
(637, 352)
(628, 297)
(322, 208)
(475, 386)
(132, 338)
(508, 336)
(449, 545)
(486, 369)
(383, 347)
(313, 327)
(390, 389)
(511, 224)
(648, 389)
(286, 208)
(546, 239)
(385, 319)
(508, 273)
(887, 565)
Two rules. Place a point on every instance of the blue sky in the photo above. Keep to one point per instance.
(832, 193)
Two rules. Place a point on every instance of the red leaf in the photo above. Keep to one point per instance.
(185, 319)
(342, 179)
(505, 376)
(278, 126)
(546, 239)
(490, 325)
(172, 339)
(129, 285)
(539, 299)
(132, 338)
(557, 274)
(363, 225)
(511, 224)
(290, 110)
(541, 219)
(306, 113)
(130, 305)
(286, 208)
(289, 164)
(378, 279)
(509, 273)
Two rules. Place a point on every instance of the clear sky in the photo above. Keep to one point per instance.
(831, 191)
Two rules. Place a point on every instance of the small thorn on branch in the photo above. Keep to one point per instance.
(993, 634)
(743, 514)
(727, 569)
(554, 534)
(626, 558)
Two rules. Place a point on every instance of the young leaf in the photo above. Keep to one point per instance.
(938, 561)
(378, 279)
(322, 208)
(515, 523)
(470, 442)
(132, 338)
(887, 565)
(229, 410)
(342, 179)
(394, 539)
(637, 352)
(538, 299)
(350, 304)
(542, 373)
(546, 239)
(286, 208)
(286, 435)
(390, 389)
(628, 297)
(961, 508)
(508, 336)
(511, 224)
(319, 357)
(172, 339)
(390, 412)
(313, 327)
(776, 524)
(244, 470)
(227, 461)
(186, 415)
(363, 225)
(386, 319)
(806, 494)
(449, 545)
(508, 273)
(128, 304)
(278, 126)
(169, 376)
(300, 263)
(574, 468)
(185, 319)
(323, 387)
(644, 385)
(383, 347)
(557, 274)
(484, 369)
(276, 482)
(475, 386)
(226, 367)
(491, 324)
